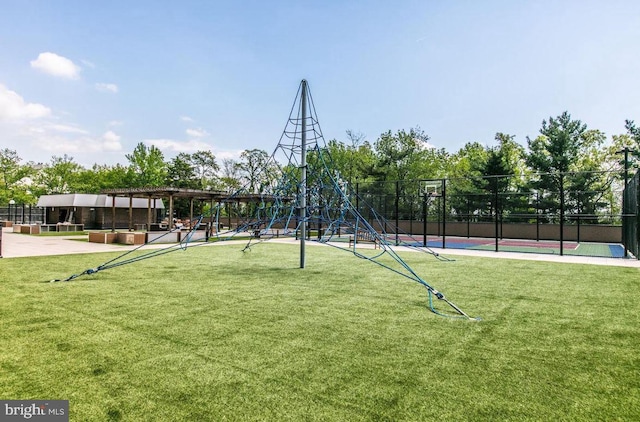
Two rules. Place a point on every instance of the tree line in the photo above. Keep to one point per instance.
(566, 156)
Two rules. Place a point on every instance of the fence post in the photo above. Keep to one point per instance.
(397, 210)
(411, 214)
(495, 209)
(537, 216)
(637, 216)
(444, 213)
(561, 214)
(357, 196)
(468, 217)
(580, 210)
(425, 213)
(626, 152)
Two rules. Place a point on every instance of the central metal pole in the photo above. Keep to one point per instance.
(303, 174)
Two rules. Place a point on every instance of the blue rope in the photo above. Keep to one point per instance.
(117, 261)
(329, 203)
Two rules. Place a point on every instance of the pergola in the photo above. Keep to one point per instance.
(171, 193)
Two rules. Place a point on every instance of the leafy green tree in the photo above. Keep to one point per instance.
(588, 183)
(88, 181)
(59, 176)
(181, 173)
(460, 164)
(100, 177)
(634, 132)
(12, 178)
(113, 177)
(257, 170)
(204, 167)
(478, 173)
(615, 152)
(230, 175)
(341, 157)
(466, 196)
(354, 160)
(399, 157)
(432, 164)
(495, 179)
(513, 154)
(631, 142)
(502, 177)
(147, 166)
(356, 157)
(350, 162)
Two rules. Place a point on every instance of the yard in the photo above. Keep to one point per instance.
(213, 333)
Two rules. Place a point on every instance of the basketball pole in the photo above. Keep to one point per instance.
(303, 174)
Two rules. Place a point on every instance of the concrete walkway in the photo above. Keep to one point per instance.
(17, 245)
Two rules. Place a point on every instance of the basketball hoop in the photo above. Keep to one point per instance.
(430, 188)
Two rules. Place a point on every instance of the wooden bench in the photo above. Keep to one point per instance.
(364, 238)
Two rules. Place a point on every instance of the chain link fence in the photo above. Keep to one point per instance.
(561, 207)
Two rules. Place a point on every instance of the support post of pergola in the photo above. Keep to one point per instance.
(113, 214)
(130, 212)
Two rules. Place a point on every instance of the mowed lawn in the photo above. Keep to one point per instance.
(213, 333)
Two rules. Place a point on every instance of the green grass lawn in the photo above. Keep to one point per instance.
(213, 333)
(60, 234)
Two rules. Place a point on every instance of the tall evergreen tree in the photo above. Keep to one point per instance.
(567, 158)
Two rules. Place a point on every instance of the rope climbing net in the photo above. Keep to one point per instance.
(281, 201)
(323, 204)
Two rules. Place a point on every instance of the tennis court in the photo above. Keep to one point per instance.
(606, 250)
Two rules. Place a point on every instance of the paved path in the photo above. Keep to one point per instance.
(15, 245)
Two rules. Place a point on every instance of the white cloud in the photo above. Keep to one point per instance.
(234, 155)
(68, 129)
(37, 131)
(111, 141)
(33, 130)
(186, 119)
(107, 87)
(56, 65)
(171, 146)
(65, 143)
(178, 146)
(196, 133)
(88, 63)
(14, 107)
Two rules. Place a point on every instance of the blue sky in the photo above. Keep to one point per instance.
(92, 79)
